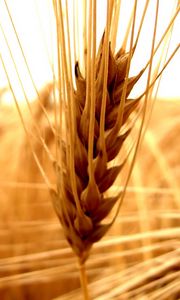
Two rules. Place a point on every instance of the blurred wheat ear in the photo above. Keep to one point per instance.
(94, 115)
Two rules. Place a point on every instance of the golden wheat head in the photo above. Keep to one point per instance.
(82, 224)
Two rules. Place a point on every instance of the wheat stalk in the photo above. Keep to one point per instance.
(93, 119)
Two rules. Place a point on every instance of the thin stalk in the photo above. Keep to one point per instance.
(25, 128)
(92, 95)
(68, 89)
(84, 4)
(27, 65)
(144, 112)
(105, 61)
(119, 120)
(114, 28)
(83, 279)
(141, 24)
(40, 139)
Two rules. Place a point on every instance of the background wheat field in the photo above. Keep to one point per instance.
(139, 258)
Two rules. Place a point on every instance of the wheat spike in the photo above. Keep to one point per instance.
(97, 112)
(99, 116)
(84, 228)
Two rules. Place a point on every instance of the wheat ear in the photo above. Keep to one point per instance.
(97, 113)
(97, 119)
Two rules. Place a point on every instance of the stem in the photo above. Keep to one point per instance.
(83, 279)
